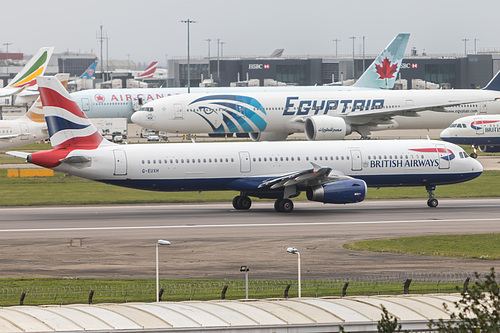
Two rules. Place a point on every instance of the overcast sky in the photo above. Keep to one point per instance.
(149, 30)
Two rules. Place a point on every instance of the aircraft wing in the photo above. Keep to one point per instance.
(313, 176)
(372, 116)
(10, 136)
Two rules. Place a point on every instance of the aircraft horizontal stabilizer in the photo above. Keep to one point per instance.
(20, 154)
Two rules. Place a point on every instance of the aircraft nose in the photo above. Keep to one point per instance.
(445, 134)
(139, 118)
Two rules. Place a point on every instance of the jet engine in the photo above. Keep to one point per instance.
(326, 128)
(268, 136)
(489, 149)
(339, 192)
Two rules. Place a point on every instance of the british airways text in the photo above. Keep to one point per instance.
(296, 107)
(405, 163)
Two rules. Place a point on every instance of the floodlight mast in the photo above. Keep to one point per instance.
(293, 250)
(158, 243)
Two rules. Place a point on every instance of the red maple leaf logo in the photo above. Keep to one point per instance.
(386, 71)
(99, 98)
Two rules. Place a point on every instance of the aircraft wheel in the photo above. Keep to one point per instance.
(244, 202)
(235, 202)
(432, 203)
(277, 205)
(286, 206)
(473, 155)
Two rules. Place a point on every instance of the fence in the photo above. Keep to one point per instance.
(196, 290)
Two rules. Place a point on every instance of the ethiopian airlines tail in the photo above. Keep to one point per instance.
(383, 72)
(148, 72)
(89, 73)
(27, 76)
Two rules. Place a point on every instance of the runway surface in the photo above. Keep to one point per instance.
(213, 240)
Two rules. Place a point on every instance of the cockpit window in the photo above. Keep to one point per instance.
(453, 125)
(147, 108)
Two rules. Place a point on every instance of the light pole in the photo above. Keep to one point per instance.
(353, 39)
(189, 64)
(293, 250)
(158, 243)
(475, 43)
(465, 42)
(364, 37)
(336, 46)
(245, 269)
(7, 58)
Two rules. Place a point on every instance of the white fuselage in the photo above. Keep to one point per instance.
(285, 111)
(242, 166)
(474, 130)
(122, 103)
(20, 132)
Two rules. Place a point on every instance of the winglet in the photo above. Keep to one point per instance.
(383, 72)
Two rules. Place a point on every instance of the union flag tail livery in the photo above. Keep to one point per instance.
(69, 128)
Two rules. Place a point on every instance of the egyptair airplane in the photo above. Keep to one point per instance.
(322, 115)
(25, 79)
(29, 128)
(479, 131)
(122, 103)
(328, 171)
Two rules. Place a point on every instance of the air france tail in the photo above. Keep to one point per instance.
(69, 128)
(383, 72)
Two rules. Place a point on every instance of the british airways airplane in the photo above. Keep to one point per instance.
(322, 115)
(122, 103)
(329, 172)
(479, 131)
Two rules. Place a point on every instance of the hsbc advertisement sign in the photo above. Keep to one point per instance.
(259, 66)
(409, 65)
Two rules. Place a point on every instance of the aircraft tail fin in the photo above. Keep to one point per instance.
(35, 67)
(383, 72)
(89, 73)
(69, 128)
(35, 112)
(494, 83)
(148, 72)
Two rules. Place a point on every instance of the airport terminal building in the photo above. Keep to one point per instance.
(471, 71)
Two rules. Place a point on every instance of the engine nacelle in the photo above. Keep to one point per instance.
(268, 136)
(326, 128)
(489, 149)
(339, 192)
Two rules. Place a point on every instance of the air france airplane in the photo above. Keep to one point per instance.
(122, 103)
(481, 131)
(29, 128)
(329, 172)
(322, 115)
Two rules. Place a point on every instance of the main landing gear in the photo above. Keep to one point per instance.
(431, 202)
(283, 205)
(242, 202)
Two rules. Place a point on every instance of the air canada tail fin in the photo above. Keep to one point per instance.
(148, 72)
(494, 84)
(383, 72)
(35, 67)
(89, 73)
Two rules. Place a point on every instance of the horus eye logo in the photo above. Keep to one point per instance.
(99, 98)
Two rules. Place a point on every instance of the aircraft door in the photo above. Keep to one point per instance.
(245, 165)
(444, 156)
(483, 108)
(178, 113)
(120, 162)
(24, 131)
(356, 162)
(479, 126)
(85, 104)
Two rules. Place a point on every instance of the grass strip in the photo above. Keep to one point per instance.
(70, 291)
(470, 246)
